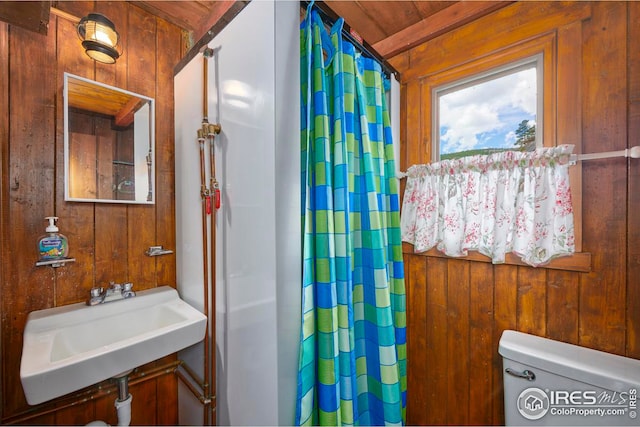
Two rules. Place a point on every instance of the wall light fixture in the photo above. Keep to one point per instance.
(99, 38)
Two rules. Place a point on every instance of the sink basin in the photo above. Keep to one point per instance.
(74, 346)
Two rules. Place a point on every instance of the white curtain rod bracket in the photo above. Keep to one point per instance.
(633, 152)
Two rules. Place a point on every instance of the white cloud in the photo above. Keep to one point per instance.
(465, 122)
(510, 138)
(484, 108)
(523, 94)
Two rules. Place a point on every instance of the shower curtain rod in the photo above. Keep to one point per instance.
(331, 17)
(633, 152)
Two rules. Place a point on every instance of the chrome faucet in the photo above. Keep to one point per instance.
(114, 292)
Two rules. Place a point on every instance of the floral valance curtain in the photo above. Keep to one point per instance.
(517, 202)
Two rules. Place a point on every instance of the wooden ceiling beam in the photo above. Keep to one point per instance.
(124, 118)
(211, 19)
(31, 15)
(439, 23)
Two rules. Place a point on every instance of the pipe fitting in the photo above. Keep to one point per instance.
(123, 408)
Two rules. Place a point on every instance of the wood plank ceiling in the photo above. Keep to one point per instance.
(391, 27)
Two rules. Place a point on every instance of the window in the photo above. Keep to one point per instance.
(497, 110)
(558, 120)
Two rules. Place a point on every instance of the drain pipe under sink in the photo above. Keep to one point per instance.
(122, 404)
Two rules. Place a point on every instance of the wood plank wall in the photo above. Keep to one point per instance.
(457, 309)
(107, 240)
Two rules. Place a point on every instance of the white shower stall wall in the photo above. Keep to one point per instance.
(253, 87)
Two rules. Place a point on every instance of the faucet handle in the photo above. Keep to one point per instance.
(127, 290)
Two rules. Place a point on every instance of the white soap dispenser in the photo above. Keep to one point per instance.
(53, 245)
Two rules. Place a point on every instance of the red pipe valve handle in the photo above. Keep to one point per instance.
(216, 197)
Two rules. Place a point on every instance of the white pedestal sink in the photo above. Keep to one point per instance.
(74, 346)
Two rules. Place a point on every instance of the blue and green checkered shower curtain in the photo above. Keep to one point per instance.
(353, 344)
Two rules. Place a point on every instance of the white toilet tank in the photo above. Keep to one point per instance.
(548, 382)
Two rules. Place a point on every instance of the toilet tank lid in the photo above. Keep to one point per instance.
(583, 364)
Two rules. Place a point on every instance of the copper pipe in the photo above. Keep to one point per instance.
(215, 193)
(88, 395)
(205, 83)
(208, 131)
(213, 186)
(205, 244)
(189, 383)
(207, 53)
(192, 374)
(212, 238)
(204, 192)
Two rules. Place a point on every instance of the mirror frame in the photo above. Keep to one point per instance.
(67, 177)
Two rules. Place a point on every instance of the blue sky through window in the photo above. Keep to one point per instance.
(486, 115)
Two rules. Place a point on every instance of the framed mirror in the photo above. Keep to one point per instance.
(109, 143)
